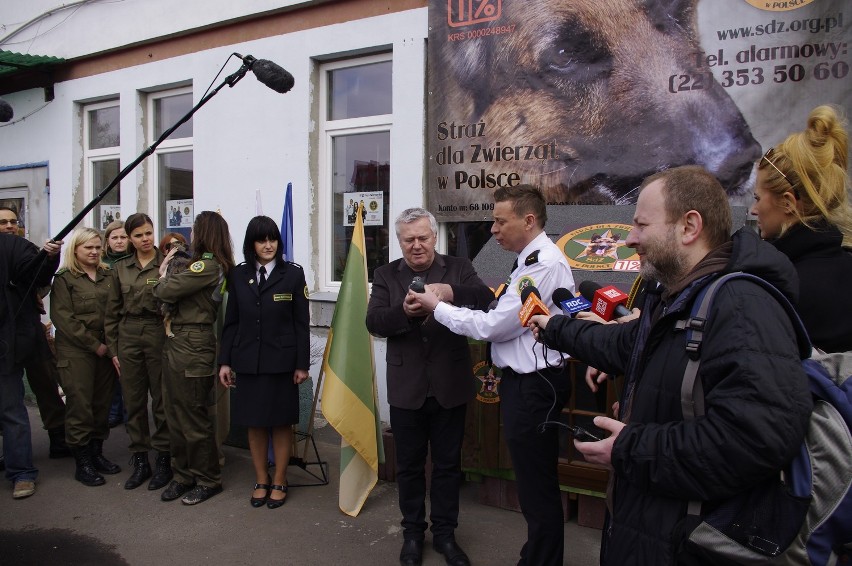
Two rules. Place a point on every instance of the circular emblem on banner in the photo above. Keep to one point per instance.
(599, 247)
(489, 377)
(778, 5)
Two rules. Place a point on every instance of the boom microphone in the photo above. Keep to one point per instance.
(607, 302)
(570, 304)
(272, 75)
(532, 305)
(6, 111)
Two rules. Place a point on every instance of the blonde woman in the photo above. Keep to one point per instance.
(802, 207)
(77, 307)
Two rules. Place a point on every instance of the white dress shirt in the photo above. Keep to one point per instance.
(512, 344)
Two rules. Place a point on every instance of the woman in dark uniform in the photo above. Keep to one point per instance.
(189, 359)
(134, 333)
(266, 341)
(77, 307)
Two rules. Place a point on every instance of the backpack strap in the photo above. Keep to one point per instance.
(691, 390)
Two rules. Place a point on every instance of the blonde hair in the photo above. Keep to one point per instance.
(813, 164)
(69, 256)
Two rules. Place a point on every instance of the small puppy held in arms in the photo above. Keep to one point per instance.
(180, 260)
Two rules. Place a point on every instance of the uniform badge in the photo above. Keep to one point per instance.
(532, 259)
(151, 281)
(197, 267)
(282, 297)
(525, 282)
(306, 291)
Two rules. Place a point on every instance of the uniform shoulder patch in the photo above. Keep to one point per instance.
(207, 255)
(306, 291)
(525, 282)
(61, 271)
(532, 258)
(197, 267)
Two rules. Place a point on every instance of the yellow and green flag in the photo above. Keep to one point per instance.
(349, 397)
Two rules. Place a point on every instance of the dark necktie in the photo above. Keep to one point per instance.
(262, 279)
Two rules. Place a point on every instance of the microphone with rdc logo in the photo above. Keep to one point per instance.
(570, 304)
(607, 302)
(532, 305)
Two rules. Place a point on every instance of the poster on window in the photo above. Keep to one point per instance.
(372, 208)
(584, 98)
(179, 213)
(109, 214)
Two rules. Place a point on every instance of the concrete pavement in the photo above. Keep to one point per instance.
(66, 523)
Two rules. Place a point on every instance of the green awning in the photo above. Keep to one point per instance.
(12, 63)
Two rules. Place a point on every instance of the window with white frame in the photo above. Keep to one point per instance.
(102, 135)
(171, 165)
(355, 125)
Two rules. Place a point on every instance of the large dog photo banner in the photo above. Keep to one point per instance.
(585, 98)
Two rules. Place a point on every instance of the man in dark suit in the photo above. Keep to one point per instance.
(430, 380)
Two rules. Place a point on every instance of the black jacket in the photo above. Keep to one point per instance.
(756, 393)
(825, 272)
(268, 330)
(22, 271)
(423, 356)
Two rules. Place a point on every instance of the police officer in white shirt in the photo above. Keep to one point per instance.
(534, 387)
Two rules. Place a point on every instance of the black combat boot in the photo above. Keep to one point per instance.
(163, 472)
(102, 465)
(58, 448)
(86, 472)
(141, 470)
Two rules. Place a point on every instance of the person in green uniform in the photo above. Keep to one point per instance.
(115, 248)
(189, 359)
(77, 308)
(134, 333)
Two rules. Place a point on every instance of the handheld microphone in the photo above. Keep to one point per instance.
(6, 112)
(532, 305)
(272, 75)
(607, 302)
(570, 304)
(418, 285)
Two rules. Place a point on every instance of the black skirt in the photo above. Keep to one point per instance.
(263, 400)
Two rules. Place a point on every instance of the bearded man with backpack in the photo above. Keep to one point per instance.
(757, 402)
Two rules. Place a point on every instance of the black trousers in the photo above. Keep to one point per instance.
(527, 401)
(414, 432)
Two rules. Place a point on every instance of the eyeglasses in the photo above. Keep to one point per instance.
(3, 222)
(766, 157)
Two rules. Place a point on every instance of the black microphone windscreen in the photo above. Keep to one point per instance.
(587, 290)
(527, 291)
(6, 111)
(561, 294)
(272, 75)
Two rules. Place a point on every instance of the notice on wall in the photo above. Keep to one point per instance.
(585, 99)
(179, 213)
(372, 208)
(109, 214)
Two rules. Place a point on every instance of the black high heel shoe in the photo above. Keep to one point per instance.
(276, 503)
(260, 501)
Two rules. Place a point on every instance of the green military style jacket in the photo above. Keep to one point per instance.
(77, 309)
(198, 290)
(131, 294)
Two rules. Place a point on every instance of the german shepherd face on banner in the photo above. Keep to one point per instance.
(589, 82)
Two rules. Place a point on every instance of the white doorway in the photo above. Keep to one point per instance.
(26, 188)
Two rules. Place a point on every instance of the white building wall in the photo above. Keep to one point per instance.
(246, 138)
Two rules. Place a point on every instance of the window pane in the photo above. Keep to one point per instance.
(466, 239)
(107, 210)
(361, 164)
(174, 175)
(359, 91)
(169, 110)
(104, 128)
